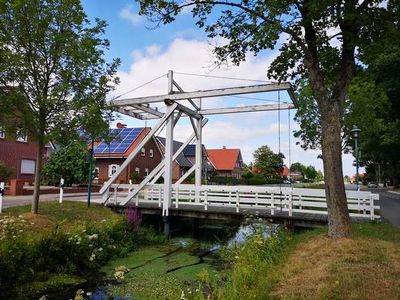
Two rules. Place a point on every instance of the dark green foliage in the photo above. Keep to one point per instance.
(69, 162)
(5, 172)
(268, 163)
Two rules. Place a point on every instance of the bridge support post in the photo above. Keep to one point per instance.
(169, 136)
(199, 156)
(167, 229)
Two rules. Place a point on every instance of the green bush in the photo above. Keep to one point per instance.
(5, 172)
(31, 257)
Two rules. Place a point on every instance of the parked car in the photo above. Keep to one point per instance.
(372, 185)
(286, 182)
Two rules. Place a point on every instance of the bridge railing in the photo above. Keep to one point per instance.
(285, 199)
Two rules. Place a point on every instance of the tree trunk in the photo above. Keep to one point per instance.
(38, 173)
(338, 214)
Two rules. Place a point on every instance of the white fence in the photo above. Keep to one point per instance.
(290, 200)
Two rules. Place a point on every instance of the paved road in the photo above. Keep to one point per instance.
(11, 201)
(390, 207)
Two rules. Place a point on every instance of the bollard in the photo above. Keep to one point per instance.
(61, 190)
(2, 189)
(130, 188)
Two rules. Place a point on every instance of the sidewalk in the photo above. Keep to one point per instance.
(11, 201)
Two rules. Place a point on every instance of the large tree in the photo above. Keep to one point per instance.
(267, 162)
(320, 42)
(52, 68)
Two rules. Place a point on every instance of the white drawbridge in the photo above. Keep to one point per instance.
(189, 104)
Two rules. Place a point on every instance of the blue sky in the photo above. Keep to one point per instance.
(148, 53)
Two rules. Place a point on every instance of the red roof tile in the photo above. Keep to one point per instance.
(223, 159)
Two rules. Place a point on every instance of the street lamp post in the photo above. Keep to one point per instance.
(355, 131)
(90, 157)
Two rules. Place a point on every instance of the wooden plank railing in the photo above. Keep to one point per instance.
(291, 200)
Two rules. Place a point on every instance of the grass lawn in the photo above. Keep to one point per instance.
(311, 266)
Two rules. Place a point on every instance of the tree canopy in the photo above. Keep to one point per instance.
(69, 162)
(52, 70)
(267, 162)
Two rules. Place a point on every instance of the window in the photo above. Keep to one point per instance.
(146, 171)
(21, 136)
(112, 169)
(2, 133)
(96, 173)
(28, 166)
(143, 151)
(137, 170)
(151, 153)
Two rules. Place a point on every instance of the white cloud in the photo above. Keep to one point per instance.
(127, 13)
(153, 50)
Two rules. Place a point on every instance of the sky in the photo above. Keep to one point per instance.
(147, 53)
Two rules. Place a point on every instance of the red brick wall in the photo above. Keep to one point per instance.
(139, 161)
(12, 152)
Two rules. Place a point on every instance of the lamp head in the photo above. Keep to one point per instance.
(355, 131)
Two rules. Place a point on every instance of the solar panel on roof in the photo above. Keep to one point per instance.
(123, 138)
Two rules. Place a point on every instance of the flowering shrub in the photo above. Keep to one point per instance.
(134, 218)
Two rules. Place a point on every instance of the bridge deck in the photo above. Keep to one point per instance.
(298, 219)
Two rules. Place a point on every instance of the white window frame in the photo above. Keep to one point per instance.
(137, 170)
(143, 151)
(98, 173)
(29, 167)
(110, 169)
(151, 153)
(2, 133)
(146, 171)
(21, 136)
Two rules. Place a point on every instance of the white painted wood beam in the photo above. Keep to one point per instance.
(244, 109)
(182, 91)
(124, 111)
(138, 148)
(158, 171)
(186, 175)
(149, 110)
(169, 152)
(198, 157)
(208, 93)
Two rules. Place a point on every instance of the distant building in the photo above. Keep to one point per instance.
(186, 159)
(226, 162)
(110, 156)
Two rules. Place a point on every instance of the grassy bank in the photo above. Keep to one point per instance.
(61, 246)
(311, 266)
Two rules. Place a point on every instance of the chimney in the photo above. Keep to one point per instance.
(120, 125)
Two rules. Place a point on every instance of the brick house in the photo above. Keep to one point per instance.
(110, 156)
(19, 152)
(226, 162)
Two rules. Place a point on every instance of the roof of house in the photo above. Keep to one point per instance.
(223, 159)
(190, 150)
(123, 141)
(181, 159)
